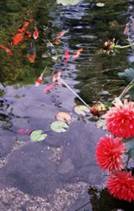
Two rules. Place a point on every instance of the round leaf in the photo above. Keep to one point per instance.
(37, 136)
(81, 110)
(64, 117)
(59, 126)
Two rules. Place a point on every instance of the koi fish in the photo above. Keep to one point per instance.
(18, 38)
(61, 34)
(39, 81)
(126, 29)
(49, 87)
(56, 77)
(20, 35)
(36, 33)
(77, 53)
(66, 56)
(28, 34)
(7, 50)
(31, 56)
(25, 26)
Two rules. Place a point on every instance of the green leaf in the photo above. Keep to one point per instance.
(81, 110)
(128, 74)
(37, 136)
(59, 126)
(68, 2)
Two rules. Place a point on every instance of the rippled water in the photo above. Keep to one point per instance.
(89, 26)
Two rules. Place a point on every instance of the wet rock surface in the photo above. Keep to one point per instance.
(53, 174)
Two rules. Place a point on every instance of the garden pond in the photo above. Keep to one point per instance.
(60, 172)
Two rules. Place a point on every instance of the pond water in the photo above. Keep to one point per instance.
(93, 75)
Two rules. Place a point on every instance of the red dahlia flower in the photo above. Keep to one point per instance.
(120, 120)
(121, 185)
(109, 153)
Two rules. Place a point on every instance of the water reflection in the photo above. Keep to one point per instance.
(89, 27)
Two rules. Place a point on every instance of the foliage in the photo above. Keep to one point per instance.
(59, 126)
(37, 136)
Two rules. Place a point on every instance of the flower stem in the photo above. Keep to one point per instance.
(125, 46)
(127, 88)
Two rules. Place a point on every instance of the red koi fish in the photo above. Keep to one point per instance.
(39, 80)
(49, 87)
(18, 38)
(36, 33)
(66, 56)
(77, 53)
(7, 50)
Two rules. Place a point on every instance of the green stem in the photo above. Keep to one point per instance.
(44, 71)
(127, 88)
(122, 47)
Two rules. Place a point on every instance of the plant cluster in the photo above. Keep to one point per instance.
(115, 151)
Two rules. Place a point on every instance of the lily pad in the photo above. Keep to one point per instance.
(100, 4)
(81, 110)
(64, 117)
(68, 2)
(59, 126)
(37, 136)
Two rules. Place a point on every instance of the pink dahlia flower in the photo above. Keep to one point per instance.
(121, 185)
(120, 120)
(109, 153)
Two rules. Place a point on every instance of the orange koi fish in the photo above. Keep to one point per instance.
(77, 53)
(18, 38)
(31, 56)
(66, 56)
(25, 26)
(20, 35)
(36, 33)
(28, 34)
(7, 50)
